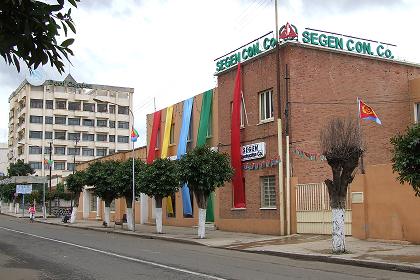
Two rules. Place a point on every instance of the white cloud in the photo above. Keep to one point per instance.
(165, 49)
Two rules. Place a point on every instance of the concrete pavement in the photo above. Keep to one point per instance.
(400, 256)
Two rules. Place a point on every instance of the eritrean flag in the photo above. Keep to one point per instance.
(366, 112)
(134, 134)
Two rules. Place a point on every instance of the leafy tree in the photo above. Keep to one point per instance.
(159, 179)
(406, 157)
(341, 143)
(29, 30)
(20, 168)
(7, 192)
(123, 181)
(204, 170)
(75, 183)
(100, 174)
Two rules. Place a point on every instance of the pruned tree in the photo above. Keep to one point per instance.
(341, 143)
(75, 183)
(123, 182)
(406, 157)
(204, 170)
(159, 179)
(29, 31)
(20, 168)
(100, 174)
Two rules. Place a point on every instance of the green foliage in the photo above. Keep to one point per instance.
(7, 192)
(75, 182)
(101, 176)
(35, 195)
(20, 168)
(204, 170)
(29, 30)
(123, 179)
(159, 179)
(406, 157)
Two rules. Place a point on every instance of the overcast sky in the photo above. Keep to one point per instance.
(165, 49)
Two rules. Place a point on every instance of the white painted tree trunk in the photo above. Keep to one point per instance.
(16, 208)
(201, 222)
(1, 205)
(107, 212)
(338, 234)
(73, 215)
(158, 214)
(130, 218)
(10, 207)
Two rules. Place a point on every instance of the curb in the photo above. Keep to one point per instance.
(307, 257)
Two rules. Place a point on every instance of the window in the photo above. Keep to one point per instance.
(88, 137)
(101, 137)
(101, 152)
(112, 109)
(48, 120)
(122, 139)
(35, 164)
(172, 134)
(123, 125)
(101, 123)
(59, 165)
(417, 112)
(59, 150)
(70, 166)
(266, 105)
(35, 150)
(87, 152)
(60, 119)
(35, 119)
(60, 135)
(73, 151)
(48, 135)
(242, 115)
(74, 121)
(111, 151)
(61, 104)
(112, 124)
(73, 136)
(88, 122)
(92, 202)
(35, 134)
(36, 103)
(112, 138)
(90, 107)
(74, 106)
(123, 110)
(47, 150)
(102, 107)
(49, 104)
(268, 192)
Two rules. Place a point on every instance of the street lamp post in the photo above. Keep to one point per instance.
(133, 187)
(76, 140)
(50, 165)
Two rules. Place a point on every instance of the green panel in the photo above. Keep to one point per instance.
(210, 210)
(204, 117)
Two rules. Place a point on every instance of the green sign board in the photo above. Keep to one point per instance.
(289, 32)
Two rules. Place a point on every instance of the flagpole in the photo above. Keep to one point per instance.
(362, 167)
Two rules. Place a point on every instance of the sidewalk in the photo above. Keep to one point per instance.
(400, 256)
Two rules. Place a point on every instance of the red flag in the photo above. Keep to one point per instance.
(366, 112)
(235, 152)
(153, 138)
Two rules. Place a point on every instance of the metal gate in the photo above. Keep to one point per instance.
(313, 211)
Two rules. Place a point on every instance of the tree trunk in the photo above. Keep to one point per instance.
(1, 205)
(338, 234)
(202, 199)
(73, 215)
(16, 208)
(201, 222)
(76, 199)
(130, 221)
(158, 214)
(10, 207)
(107, 212)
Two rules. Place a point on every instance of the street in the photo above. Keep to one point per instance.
(42, 251)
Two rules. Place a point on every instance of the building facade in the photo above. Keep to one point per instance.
(3, 159)
(67, 122)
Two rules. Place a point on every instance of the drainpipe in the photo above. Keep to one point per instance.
(288, 216)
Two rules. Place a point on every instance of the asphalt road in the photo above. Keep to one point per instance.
(41, 251)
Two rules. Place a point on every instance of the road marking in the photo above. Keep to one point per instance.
(117, 255)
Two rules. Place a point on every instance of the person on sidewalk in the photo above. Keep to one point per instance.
(32, 211)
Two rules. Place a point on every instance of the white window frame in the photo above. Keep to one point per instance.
(417, 112)
(262, 106)
(272, 204)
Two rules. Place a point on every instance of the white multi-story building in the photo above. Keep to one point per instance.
(79, 121)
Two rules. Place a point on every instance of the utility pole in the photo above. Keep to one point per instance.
(49, 164)
(74, 166)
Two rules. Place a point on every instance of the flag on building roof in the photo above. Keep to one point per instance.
(134, 134)
(366, 112)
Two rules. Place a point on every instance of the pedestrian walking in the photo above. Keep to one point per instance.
(32, 211)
